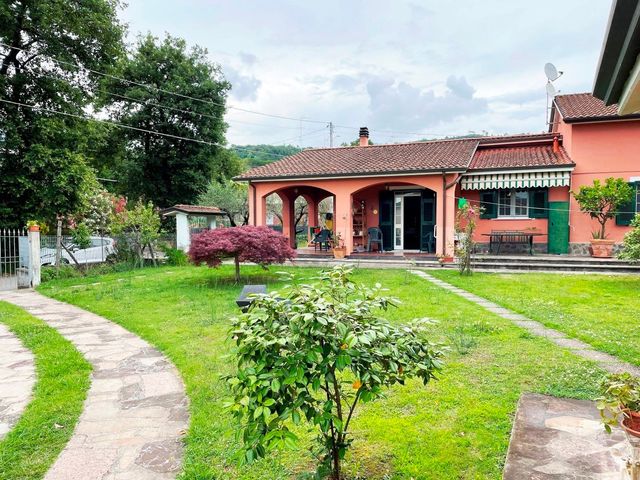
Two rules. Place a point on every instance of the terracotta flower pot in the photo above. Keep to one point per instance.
(339, 252)
(34, 228)
(446, 259)
(602, 248)
(631, 423)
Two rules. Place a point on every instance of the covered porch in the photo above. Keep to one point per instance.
(415, 214)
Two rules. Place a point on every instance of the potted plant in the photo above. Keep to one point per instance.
(602, 201)
(339, 250)
(33, 226)
(620, 403)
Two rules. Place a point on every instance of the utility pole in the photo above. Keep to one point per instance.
(331, 134)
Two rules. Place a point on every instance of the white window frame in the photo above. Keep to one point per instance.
(512, 204)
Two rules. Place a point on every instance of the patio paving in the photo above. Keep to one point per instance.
(559, 438)
(17, 378)
(136, 410)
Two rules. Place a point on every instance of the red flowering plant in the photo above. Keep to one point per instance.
(260, 245)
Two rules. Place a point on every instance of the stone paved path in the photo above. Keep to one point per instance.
(17, 377)
(136, 409)
(604, 360)
(561, 438)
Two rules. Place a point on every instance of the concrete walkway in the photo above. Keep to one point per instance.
(136, 408)
(17, 377)
(604, 360)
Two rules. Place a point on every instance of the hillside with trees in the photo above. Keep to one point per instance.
(258, 155)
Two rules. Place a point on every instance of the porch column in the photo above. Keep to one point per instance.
(342, 219)
(253, 204)
(259, 218)
(312, 214)
(288, 219)
(446, 219)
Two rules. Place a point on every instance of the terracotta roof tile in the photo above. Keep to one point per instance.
(575, 107)
(511, 151)
(534, 156)
(373, 159)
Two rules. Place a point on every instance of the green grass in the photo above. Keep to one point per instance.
(455, 428)
(602, 310)
(47, 423)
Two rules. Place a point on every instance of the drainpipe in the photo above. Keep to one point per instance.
(446, 186)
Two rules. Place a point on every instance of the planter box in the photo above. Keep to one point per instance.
(602, 248)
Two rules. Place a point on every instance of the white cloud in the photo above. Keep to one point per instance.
(446, 68)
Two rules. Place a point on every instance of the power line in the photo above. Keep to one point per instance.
(283, 117)
(91, 119)
(168, 92)
(547, 209)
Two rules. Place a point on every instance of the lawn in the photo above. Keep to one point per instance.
(47, 423)
(601, 310)
(455, 428)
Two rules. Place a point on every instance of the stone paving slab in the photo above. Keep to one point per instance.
(605, 361)
(136, 409)
(17, 378)
(559, 438)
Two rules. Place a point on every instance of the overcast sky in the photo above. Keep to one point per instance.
(401, 68)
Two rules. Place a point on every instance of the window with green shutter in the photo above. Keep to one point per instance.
(538, 203)
(627, 211)
(489, 204)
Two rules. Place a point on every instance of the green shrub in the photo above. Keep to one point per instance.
(176, 257)
(49, 273)
(631, 250)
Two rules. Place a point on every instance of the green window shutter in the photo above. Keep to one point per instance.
(489, 204)
(538, 203)
(386, 218)
(627, 211)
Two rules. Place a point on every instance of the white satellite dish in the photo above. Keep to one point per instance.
(551, 90)
(551, 72)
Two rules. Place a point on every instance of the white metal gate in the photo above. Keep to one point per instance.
(14, 259)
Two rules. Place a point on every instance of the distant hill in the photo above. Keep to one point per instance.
(258, 155)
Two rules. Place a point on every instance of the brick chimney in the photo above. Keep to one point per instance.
(556, 145)
(364, 137)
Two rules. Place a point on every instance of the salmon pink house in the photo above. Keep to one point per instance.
(411, 191)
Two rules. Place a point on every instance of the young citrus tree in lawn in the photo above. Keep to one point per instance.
(260, 245)
(312, 353)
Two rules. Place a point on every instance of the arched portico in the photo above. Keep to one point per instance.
(348, 193)
(288, 193)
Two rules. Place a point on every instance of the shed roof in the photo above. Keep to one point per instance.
(192, 210)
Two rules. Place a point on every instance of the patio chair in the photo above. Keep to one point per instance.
(430, 241)
(322, 240)
(374, 235)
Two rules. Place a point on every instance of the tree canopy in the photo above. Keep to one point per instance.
(43, 154)
(165, 169)
(259, 245)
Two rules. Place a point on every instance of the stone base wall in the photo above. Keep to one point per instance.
(584, 249)
(512, 248)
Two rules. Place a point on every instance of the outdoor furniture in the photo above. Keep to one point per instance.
(322, 240)
(244, 301)
(513, 237)
(430, 240)
(374, 235)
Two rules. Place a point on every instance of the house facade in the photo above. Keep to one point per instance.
(411, 191)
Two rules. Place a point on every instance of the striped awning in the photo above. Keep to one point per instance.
(492, 181)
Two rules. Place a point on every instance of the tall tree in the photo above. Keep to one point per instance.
(43, 167)
(165, 169)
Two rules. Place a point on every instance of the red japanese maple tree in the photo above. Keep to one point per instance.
(260, 245)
